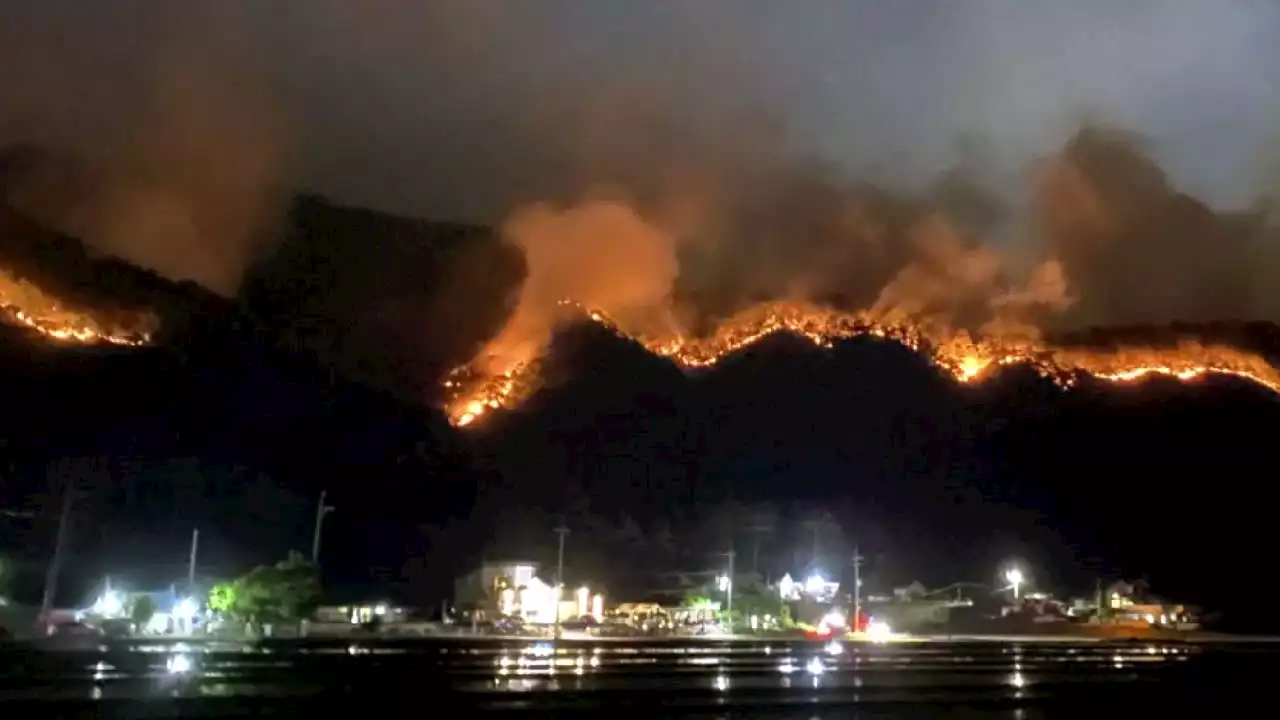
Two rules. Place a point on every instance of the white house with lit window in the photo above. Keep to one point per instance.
(513, 589)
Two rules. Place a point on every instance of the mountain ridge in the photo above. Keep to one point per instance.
(866, 428)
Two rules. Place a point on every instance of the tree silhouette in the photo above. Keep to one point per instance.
(142, 610)
(288, 590)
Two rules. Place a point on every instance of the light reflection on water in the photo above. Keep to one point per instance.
(833, 664)
(542, 659)
(1017, 670)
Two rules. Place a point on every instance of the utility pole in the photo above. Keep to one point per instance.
(321, 510)
(728, 600)
(55, 564)
(857, 588)
(561, 530)
(191, 562)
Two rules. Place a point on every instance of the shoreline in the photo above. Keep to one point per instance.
(163, 644)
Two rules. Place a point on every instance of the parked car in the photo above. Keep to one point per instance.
(584, 623)
(75, 628)
(117, 628)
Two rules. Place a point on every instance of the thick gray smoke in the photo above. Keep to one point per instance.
(916, 157)
(169, 157)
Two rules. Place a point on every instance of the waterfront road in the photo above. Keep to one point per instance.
(713, 678)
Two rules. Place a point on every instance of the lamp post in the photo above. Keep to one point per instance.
(562, 531)
(1015, 578)
(857, 589)
(322, 510)
(191, 562)
(48, 596)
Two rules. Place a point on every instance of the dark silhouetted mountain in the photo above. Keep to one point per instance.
(322, 375)
(939, 481)
(395, 301)
(220, 406)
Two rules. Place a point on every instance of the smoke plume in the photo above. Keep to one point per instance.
(1112, 242)
(601, 254)
(181, 175)
(918, 164)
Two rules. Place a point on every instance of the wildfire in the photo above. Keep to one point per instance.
(471, 394)
(22, 303)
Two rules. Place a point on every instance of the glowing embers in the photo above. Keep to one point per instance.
(24, 304)
(966, 358)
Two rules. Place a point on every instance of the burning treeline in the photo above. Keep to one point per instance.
(176, 174)
(1105, 239)
(24, 304)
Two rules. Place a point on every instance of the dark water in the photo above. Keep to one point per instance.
(1015, 679)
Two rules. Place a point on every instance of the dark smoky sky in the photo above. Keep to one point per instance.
(456, 109)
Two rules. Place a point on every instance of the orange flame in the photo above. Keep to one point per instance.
(22, 303)
(471, 395)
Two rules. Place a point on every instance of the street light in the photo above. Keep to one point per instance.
(814, 584)
(185, 613)
(110, 604)
(1015, 579)
(186, 609)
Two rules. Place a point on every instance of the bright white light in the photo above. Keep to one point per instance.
(186, 609)
(541, 650)
(814, 584)
(537, 602)
(879, 632)
(1014, 576)
(522, 574)
(833, 619)
(178, 664)
(815, 666)
(158, 623)
(786, 587)
(722, 583)
(379, 609)
(109, 604)
(506, 602)
(834, 647)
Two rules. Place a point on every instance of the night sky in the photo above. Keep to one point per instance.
(456, 110)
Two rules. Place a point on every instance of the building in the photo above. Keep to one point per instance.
(513, 589)
(480, 590)
(360, 613)
(815, 587)
(174, 612)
